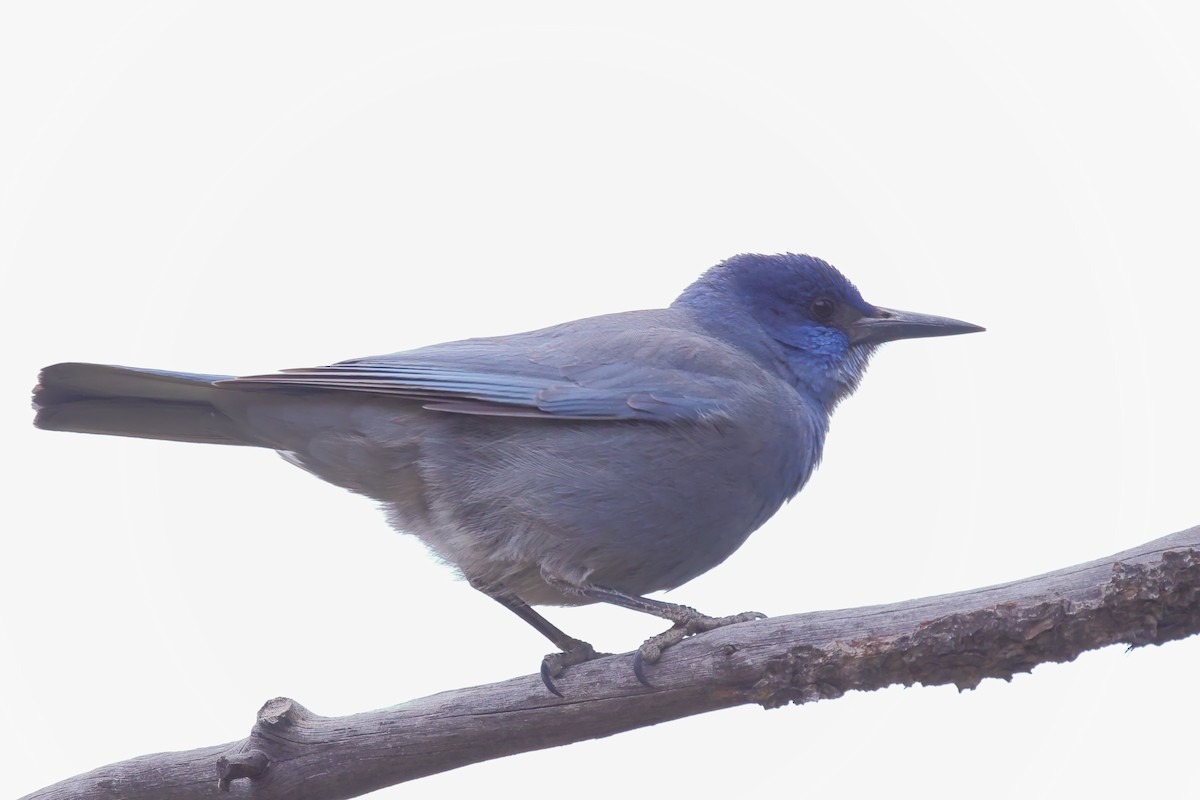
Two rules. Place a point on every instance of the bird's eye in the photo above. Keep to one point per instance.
(822, 309)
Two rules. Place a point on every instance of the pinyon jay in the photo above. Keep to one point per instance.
(596, 460)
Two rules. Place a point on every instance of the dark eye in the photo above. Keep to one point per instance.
(822, 309)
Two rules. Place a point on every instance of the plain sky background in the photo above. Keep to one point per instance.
(239, 187)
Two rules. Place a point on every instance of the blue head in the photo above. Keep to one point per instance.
(803, 318)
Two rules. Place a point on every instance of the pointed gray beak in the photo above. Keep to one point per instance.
(888, 324)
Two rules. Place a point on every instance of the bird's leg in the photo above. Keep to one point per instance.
(572, 651)
(686, 620)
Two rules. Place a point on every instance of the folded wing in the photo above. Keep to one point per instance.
(491, 381)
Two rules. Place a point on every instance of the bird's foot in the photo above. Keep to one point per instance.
(688, 622)
(575, 652)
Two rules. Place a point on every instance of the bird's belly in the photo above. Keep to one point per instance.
(639, 509)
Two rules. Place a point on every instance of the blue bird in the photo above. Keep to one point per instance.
(598, 460)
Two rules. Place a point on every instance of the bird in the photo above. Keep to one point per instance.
(598, 460)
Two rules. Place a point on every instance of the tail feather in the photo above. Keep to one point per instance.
(125, 401)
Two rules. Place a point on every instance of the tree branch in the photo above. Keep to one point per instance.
(1147, 595)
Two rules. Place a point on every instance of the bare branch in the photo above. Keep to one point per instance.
(1147, 595)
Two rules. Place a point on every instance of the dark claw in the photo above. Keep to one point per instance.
(574, 652)
(688, 624)
(548, 680)
(639, 669)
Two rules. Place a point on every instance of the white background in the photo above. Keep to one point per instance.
(242, 187)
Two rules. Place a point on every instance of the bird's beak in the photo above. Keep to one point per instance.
(888, 324)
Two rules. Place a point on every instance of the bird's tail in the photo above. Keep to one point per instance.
(125, 401)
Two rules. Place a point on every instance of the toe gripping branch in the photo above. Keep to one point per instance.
(686, 621)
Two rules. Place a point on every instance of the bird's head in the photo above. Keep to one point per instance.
(819, 331)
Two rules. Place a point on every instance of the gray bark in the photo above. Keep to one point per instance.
(1146, 595)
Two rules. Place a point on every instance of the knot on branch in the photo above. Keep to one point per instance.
(251, 759)
(282, 712)
(250, 764)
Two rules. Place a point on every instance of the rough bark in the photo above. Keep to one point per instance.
(1147, 595)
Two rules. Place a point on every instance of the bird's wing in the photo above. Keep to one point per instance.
(500, 377)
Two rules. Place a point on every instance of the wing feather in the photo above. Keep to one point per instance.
(630, 366)
(645, 394)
